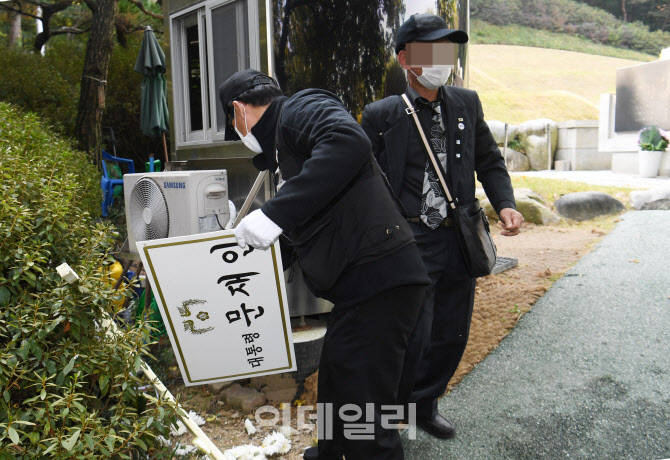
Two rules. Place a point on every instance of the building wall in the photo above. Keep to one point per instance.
(344, 46)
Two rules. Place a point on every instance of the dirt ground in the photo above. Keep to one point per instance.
(544, 254)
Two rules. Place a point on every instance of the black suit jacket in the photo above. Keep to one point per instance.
(335, 206)
(471, 146)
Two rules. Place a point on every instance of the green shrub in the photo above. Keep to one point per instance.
(485, 33)
(39, 84)
(515, 144)
(49, 86)
(571, 17)
(67, 388)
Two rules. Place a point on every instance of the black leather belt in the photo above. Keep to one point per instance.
(448, 222)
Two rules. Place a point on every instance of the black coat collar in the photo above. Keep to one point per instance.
(265, 131)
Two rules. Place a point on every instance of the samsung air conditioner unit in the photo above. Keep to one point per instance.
(175, 203)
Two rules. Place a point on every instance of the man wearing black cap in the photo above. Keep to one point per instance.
(453, 121)
(349, 238)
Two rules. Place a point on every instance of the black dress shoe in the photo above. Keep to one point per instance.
(437, 426)
(311, 453)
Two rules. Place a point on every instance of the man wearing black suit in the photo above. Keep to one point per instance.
(453, 121)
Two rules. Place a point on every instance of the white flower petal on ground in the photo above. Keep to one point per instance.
(246, 452)
(276, 443)
(183, 451)
(162, 441)
(179, 430)
(196, 418)
(285, 430)
(251, 429)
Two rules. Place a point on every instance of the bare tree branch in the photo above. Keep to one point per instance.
(19, 11)
(140, 28)
(138, 4)
(48, 10)
(69, 30)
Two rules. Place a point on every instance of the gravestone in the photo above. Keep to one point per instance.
(642, 95)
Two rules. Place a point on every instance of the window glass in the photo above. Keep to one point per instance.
(194, 80)
(230, 46)
(211, 43)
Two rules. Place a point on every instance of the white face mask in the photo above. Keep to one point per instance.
(433, 78)
(249, 140)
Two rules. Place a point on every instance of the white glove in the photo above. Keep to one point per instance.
(257, 230)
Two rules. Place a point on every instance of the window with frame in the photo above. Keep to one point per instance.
(210, 42)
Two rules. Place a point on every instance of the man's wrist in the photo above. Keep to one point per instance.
(504, 205)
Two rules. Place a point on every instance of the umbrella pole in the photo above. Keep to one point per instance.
(165, 149)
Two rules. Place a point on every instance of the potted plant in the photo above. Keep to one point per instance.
(652, 141)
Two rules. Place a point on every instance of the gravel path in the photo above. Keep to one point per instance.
(586, 373)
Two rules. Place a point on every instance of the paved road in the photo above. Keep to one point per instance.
(586, 373)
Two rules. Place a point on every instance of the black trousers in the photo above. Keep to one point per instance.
(438, 341)
(361, 366)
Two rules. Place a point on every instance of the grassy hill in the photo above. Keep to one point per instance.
(520, 83)
(522, 73)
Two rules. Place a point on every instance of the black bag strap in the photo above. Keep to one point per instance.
(438, 167)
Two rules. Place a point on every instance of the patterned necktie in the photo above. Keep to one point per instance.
(433, 202)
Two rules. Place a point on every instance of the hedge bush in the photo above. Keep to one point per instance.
(572, 17)
(67, 389)
(49, 86)
(43, 84)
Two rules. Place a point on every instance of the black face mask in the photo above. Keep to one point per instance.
(265, 131)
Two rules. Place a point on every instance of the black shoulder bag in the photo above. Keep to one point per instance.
(471, 223)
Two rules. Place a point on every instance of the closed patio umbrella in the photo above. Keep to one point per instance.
(154, 118)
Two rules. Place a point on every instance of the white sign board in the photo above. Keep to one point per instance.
(223, 307)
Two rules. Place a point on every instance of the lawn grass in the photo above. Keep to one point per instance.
(515, 107)
(521, 83)
(552, 189)
(523, 74)
(484, 33)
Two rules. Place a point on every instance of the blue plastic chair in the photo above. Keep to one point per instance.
(107, 182)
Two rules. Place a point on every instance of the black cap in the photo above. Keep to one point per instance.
(426, 28)
(233, 87)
